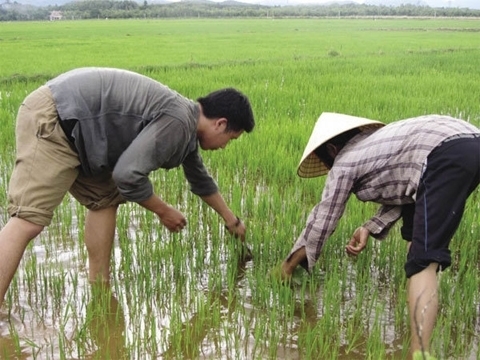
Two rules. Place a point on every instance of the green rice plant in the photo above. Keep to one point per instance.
(191, 295)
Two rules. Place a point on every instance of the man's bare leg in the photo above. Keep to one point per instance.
(422, 289)
(99, 234)
(14, 238)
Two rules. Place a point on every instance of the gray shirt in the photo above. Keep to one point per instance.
(128, 124)
(382, 166)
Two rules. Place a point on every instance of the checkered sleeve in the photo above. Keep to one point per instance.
(323, 218)
(380, 224)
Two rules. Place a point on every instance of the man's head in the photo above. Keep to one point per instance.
(331, 132)
(225, 115)
(329, 150)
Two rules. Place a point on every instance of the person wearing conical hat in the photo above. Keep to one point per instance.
(421, 170)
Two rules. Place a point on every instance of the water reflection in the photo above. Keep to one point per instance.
(231, 319)
(10, 347)
(321, 331)
(193, 333)
(105, 325)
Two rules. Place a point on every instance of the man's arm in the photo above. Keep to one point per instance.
(202, 184)
(234, 225)
(380, 224)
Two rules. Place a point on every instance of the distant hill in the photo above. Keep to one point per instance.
(235, 3)
(396, 2)
(38, 2)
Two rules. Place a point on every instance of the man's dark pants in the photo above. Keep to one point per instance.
(451, 175)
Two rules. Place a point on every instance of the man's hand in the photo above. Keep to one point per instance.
(168, 215)
(358, 242)
(173, 219)
(237, 229)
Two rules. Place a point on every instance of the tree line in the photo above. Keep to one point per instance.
(114, 9)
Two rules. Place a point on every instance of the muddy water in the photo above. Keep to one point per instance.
(26, 334)
(33, 331)
(60, 317)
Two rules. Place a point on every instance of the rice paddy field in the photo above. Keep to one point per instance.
(191, 295)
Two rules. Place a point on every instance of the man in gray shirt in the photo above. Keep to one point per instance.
(421, 170)
(98, 133)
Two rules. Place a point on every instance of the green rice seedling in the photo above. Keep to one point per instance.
(189, 295)
(375, 344)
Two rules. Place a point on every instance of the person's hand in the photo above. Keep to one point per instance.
(237, 229)
(173, 219)
(358, 242)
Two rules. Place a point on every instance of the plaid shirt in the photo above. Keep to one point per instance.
(383, 166)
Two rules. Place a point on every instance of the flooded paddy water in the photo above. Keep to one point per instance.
(192, 296)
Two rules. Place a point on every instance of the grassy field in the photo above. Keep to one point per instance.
(189, 295)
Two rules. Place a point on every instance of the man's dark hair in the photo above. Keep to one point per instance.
(230, 104)
(339, 141)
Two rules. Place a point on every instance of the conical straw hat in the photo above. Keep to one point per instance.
(327, 127)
